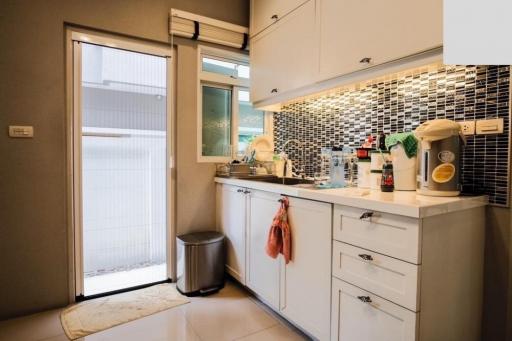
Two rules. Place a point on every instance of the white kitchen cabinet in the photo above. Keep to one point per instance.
(231, 221)
(267, 12)
(359, 315)
(404, 278)
(352, 30)
(305, 297)
(262, 271)
(285, 56)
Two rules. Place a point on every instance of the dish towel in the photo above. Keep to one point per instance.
(407, 140)
(279, 236)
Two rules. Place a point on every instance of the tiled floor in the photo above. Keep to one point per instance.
(124, 279)
(231, 314)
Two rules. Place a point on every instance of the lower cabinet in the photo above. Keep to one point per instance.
(305, 297)
(231, 221)
(300, 290)
(262, 271)
(358, 315)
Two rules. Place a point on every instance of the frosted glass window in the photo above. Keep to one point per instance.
(123, 168)
(251, 122)
(216, 116)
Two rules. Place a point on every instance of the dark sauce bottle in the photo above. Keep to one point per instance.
(387, 183)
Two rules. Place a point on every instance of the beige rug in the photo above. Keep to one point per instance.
(102, 313)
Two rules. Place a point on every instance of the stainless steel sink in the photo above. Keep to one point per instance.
(289, 181)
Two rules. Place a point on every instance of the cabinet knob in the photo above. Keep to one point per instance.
(274, 17)
(247, 192)
(273, 91)
(365, 60)
(365, 299)
(366, 257)
(366, 215)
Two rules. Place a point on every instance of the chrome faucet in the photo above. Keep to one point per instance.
(301, 171)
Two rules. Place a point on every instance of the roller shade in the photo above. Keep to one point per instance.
(197, 27)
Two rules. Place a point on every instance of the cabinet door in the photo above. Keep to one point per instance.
(266, 12)
(262, 271)
(285, 57)
(306, 280)
(231, 221)
(358, 315)
(381, 30)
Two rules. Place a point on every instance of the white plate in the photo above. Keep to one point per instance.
(264, 148)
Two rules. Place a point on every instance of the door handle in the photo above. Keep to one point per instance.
(366, 215)
(366, 257)
(365, 299)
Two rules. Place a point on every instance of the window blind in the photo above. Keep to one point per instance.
(193, 26)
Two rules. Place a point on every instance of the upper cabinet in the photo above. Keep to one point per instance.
(284, 56)
(321, 40)
(357, 34)
(267, 12)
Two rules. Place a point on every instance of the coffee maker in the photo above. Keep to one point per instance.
(441, 143)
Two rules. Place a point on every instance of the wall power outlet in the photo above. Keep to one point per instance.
(468, 127)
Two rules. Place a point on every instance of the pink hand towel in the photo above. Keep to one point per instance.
(279, 236)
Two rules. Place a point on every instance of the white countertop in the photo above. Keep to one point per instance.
(406, 203)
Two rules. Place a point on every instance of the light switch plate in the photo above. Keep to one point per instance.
(21, 131)
(467, 127)
(494, 126)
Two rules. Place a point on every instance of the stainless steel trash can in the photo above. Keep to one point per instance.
(200, 262)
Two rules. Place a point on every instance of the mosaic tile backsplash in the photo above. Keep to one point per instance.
(347, 116)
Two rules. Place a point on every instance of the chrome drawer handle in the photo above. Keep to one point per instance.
(365, 299)
(274, 17)
(273, 91)
(247, 192)
(366, 257)
(240, 190)
(366, 215)
(365, 60)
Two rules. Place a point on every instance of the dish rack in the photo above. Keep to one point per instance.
(234, 169)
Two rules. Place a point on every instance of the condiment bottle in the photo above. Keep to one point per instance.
(387, 183)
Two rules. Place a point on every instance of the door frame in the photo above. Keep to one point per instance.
(74, 38)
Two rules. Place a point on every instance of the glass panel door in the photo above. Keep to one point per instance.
(123, 168)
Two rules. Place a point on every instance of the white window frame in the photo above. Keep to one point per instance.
(222, 81)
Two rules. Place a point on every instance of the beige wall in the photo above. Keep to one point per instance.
(33, 212)
(195, 187)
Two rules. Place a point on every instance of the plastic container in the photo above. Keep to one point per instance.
(337, 172)
(378, 158)
(363, 173)
(404, 169)
(375, 178)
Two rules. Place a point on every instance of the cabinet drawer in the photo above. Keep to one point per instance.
(387, 277)
(389, 234)
(359, 315)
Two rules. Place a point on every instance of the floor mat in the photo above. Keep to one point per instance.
(102, 313)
